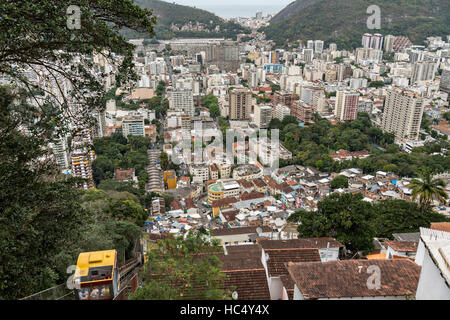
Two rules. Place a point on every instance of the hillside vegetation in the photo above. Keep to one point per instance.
(169, 13)
(345, 21)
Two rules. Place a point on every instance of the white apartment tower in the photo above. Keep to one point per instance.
(318, 46)
(133, 125)
(182, 100)
(308, 55)
(423, 71)
(389, 43)
(402, 114)
(445, 81)
(281, 111)
(263, 115)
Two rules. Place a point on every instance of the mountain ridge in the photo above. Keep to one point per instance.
(291, 8)
(174, 20)
(344, 21)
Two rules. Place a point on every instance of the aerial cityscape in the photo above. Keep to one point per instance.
(247, 151)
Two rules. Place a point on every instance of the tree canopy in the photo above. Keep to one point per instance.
(355, 222)
(180, 269)
(43, 223)
(36, 37)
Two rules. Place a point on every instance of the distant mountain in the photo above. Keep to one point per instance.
(290, 9)
(183, 21)
(345, 21)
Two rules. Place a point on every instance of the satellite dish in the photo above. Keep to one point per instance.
(258, 231)
(234, 295)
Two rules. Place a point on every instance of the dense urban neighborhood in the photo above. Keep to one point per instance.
(268, 172)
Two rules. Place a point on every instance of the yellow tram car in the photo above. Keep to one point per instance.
(97, 275)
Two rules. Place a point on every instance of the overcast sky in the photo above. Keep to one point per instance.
(234, 8)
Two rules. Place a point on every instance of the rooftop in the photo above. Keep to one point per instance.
(405, 246)
(317, 243)
(348, 278)
(441, 226)
(240, 230)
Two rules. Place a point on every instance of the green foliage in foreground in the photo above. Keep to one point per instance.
(46, 220)
(180, 269)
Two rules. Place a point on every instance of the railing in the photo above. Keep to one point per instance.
(127, 286)
(59, 292)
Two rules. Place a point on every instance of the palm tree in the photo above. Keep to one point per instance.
(428, 189)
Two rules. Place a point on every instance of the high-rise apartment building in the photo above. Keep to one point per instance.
(182, 100)
(262, 116)
(60, 150)
(445, 81)
(82, 167)
(225, 55)
(423, 71)
(186, 123)
(402, 114)
(308, 55)
(100, 124)
(274, 57)
(240, 101)
(344, 71)
(389, 43)
(374, 41)
(346, 105)
(82, 157)
(158, 66)
(282, 97)
(333, 47)
(302, 111)
(318, 46)
(133, 125)
(281, 111)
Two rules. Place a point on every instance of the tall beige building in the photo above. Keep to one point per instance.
(240, 104)
(402, 114)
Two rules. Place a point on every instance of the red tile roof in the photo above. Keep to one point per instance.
(441, 226)
(124, 174)
(245, 183)
(405, 246)
(251, 195)
(317, 243)
(259, 183)
(239, 230)
(230, 215)
(348, 278)
(175, 204)
(249, 284)
(245, 273)
(277, 258)
(223, 202)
